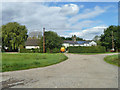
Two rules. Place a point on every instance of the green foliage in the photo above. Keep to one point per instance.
(21, 61)
(23, 50)
(84, 49)
(55, 50)
(113, 59)
(71, 38)
(96, 38)
(48, 50)
(0, 36)
(52, 40)
(13, 35)
(106, 38)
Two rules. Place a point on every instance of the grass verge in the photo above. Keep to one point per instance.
(113, 59)
(21, 61)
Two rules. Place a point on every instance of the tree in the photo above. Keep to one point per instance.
(78, 38)
(13, 35)
(52, 40)
(106, 38)
(68, 38)
(71, 38)
(63, 38)
(0, 36)
(96, 38)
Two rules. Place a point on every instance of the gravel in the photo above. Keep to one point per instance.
(79, 71)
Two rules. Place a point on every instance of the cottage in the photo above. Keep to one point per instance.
(79, 43)
(32, 43)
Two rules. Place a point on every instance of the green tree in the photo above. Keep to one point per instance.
(96, 38)
(13, 35)
(106, 38)
(63, 38)
(0, 36)
(68, 38)
(52, 40)
(78, 38)
(71, 38)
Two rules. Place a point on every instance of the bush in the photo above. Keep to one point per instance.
(2, 50)
(48, 50)
(23, 50)
(84, 49)
(55, 50)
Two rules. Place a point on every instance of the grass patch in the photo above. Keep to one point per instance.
(113, 59)
(21, 61)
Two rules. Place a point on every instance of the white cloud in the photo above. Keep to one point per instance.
(70, 9)
(38, 15)
(88, 14)
(90, 33)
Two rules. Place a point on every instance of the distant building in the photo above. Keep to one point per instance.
(79, 43)
(32, 43)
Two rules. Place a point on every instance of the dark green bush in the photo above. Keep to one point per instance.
(55, 50)
(48, 50)
(23, 50)
(84, 49)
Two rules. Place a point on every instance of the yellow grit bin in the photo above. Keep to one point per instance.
(62, 49)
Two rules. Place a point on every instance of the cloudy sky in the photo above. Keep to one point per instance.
(84, 19)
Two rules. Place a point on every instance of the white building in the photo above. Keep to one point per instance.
(79, 43)
(32, 43)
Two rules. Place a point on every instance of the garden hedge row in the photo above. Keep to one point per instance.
(55, 50)
(84, 49)
(23, 50)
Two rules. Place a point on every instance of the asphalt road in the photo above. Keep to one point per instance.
(79, 71)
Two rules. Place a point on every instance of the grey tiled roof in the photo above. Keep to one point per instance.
(32, 42)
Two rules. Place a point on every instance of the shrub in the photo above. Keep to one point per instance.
(48, 50)
(29, 50)
(84, 49)
(55, 50)
(23, 50)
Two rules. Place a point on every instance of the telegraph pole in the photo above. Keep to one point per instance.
(43, 40)
(112, 41)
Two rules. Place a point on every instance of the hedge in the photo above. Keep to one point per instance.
(88, 49)
(55, 50)
(23, 50)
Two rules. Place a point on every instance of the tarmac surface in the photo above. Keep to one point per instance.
(79, 71)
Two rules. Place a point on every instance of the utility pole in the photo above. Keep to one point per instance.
(112, 41)
(43, 40)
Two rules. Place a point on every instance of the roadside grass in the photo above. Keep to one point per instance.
(113, 59)
(21, 61)
(94, 53)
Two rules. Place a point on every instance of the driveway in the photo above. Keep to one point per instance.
(79, 71)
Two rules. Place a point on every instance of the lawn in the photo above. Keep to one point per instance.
(21, 61)
(113, 59)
